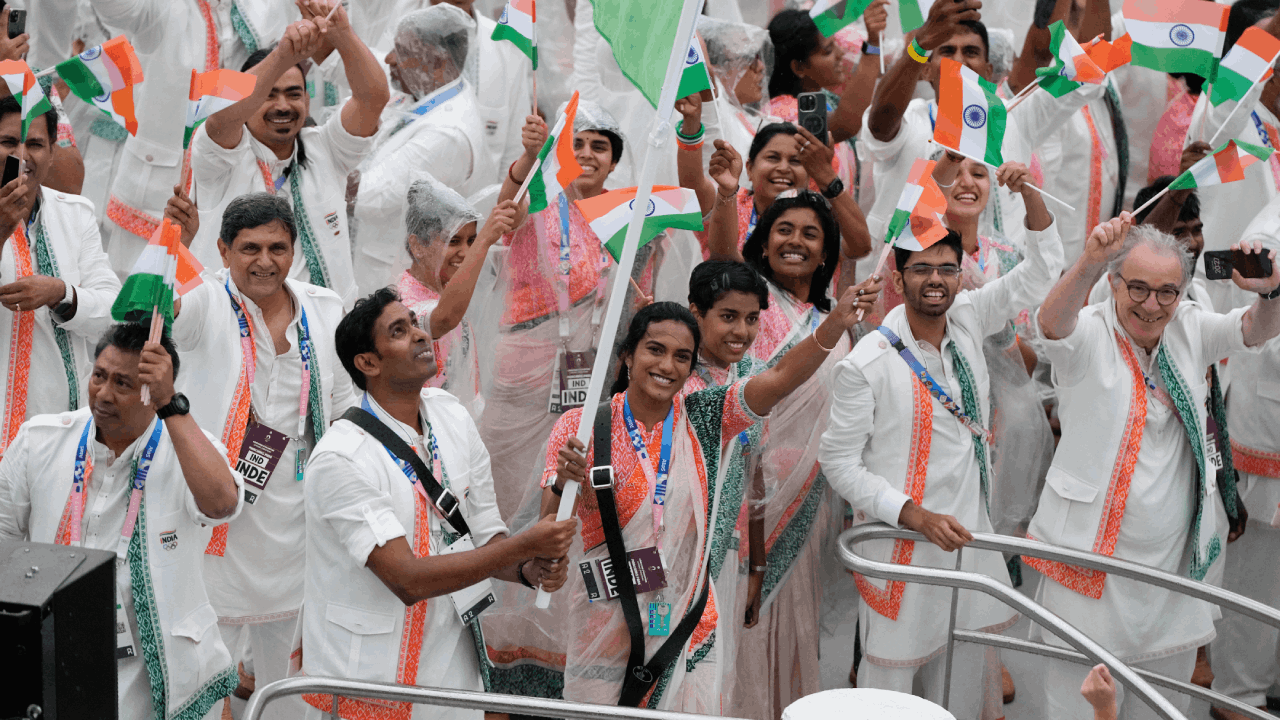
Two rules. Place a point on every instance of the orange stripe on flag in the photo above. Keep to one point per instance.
(122, 103)
(224, 83)
(569, 167)
(1260, 43)
(126, 61)
(1196, 12)
(951, 89)
(1228, 162)
(920, 169)
(527, 7)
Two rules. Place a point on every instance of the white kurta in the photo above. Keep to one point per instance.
(72, 234)
(357, 499)
(223, 174)
(259, 578)
(1253, 416)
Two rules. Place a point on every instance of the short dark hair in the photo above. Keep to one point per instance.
(977, 27)
(952, 240)
(714, 279)
(753, 250)
(646, 316)
(9, 105)
(795, 37)
(354, 335)
(130, 337)
(767, 133)
(1244, 15)
(256, 57)
(615, 141)
(1190, 208)
(255, 210)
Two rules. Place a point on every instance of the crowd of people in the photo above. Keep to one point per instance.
(345, 455)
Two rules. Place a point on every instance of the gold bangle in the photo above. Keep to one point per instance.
(819, 342)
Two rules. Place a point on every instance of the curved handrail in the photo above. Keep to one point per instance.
(489, 702)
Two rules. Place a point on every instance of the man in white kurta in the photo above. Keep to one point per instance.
(897, 454)
(158, 577)
(254, 567)
(56, 288)
(260, 144)
(432, 129)
(1129, 476)
(375, 607)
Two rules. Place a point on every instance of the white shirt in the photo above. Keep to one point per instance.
(1253, 411)
(504, 96)
(72, 234)
(1067, 159)
(357, 499)
(259, 578)
(223, 174)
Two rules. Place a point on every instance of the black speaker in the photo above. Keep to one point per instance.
(57, 632)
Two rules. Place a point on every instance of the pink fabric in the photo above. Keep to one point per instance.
(1171, 135)
(532, 293)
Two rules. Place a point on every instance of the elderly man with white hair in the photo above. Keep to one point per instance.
(1133, 475)
(431, 130)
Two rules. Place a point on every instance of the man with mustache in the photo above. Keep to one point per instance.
(145, 482)
(260, 143)
(907, 444)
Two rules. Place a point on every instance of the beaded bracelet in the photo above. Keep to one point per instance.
(917, 53)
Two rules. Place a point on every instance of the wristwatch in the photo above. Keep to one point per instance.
(833, 190)
(178, 405)
(68, 297)
(1271, 295)
(869, 49)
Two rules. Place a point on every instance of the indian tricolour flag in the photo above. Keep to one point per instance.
(557, 167)
(831, 16)
(669, 207)
(1176, 35)
(1225, 165)
(971, 117)
(917, 221)
(165, 266)
(518, 25)
(1249, 61)
(1071, 66)
(104, 77)
(694, 78)
(24, 88)
(213, 91)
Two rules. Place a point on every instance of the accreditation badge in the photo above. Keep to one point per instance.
(570, 380)
(260, 452)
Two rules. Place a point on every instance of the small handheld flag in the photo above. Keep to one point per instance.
(1071, 66)
(832, 16)
(971, 117)
(24, 88)
(669, 207)
(694, 78)
(909, 15)
(1225, 165)
(917, 221)
(150, 286)
(556, 166)
(1176, 35)
(104, 76)
(213, 91)
(518, 25)
(1110, 55)
(1249, 61)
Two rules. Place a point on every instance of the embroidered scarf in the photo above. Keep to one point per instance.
(319, 271)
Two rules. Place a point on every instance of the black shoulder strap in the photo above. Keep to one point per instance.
(640, 676)
(444, 500)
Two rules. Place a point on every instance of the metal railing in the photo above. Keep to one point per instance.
(468, 700)
(1088, 652)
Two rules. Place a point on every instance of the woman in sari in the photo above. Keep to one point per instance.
(675, 511)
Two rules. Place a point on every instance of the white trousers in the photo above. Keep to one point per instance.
(967, 688)
(1246, 653)
(1062, 681)
(266, 657)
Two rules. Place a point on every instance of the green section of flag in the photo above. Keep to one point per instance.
(694, 78)
(510, 34)
(141, 293)
(1057, 85)
(909, 15)
(1229, 85)
(831, 20)
(1167, 60)
(538, 200)
(641, 34)
(653, 227)
(900, 221)
(80, 79)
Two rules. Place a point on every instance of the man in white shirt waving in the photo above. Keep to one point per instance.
(907, 445)
(398, 522)
(146, 482)
(55, 283)
(260, 144)
(265, 378)
(1133, 476)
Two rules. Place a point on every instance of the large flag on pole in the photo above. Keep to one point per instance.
(165, 266)
(1248, 62)
(642, 34)
(213, 91)
(1225, 165)
(1176, 35)
(104, 76)
(669, 207)
(1071, 66)
(557, 167)
(518, 25)
(24, 88)
(831, 16)
(971, 116)
(917, 221)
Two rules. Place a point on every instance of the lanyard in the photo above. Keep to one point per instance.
(443, 96)
(305, 351)
(1262, 129)
(664, 463)
(565, 266)
(84, 469)
(249, 354)
(935, 388)
(933, 121)
(437, 467)
(755, 218)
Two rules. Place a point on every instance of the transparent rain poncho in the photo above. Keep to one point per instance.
(433, 47)
(1001, 54)
(732, 49)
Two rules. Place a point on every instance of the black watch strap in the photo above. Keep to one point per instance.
(1271, 295)
(177, 405)
(833, 190)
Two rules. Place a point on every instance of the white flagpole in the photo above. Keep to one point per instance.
(617, 297)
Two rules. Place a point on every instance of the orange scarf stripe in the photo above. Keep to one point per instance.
(233, 437)
(22, 332)
(1255, 462)
(1095, 172)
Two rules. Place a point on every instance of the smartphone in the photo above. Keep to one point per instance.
(812, 115)
(17, 22)
(12, 167)
(1218, 264)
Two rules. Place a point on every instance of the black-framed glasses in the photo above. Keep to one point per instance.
(923, 271)
(1139, 292)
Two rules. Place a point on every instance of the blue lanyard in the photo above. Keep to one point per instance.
(664, 459)
(566, 261)
(1261, 128)
(405, 467)
(755, 218)
(933, 122)
(439, 99)
(936, 389)
(148, 453)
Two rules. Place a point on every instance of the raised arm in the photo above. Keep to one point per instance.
(846, 120)
(533, 136)
(369, 90)
(1058, 313)
(689, 162)
(722, 232)
(855, 239)
(457, 294)
(1261, 321)
(1035, 49)
(1167, 209)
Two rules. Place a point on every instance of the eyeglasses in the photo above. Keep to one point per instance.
(924, 271)
(1139, 292)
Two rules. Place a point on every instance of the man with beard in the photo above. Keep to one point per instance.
(907, 445)
(145, 482)
(260, 143)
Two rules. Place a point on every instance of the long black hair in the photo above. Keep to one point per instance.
(713, 279)
(648, 315)
(795, 37)
(753, 251)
